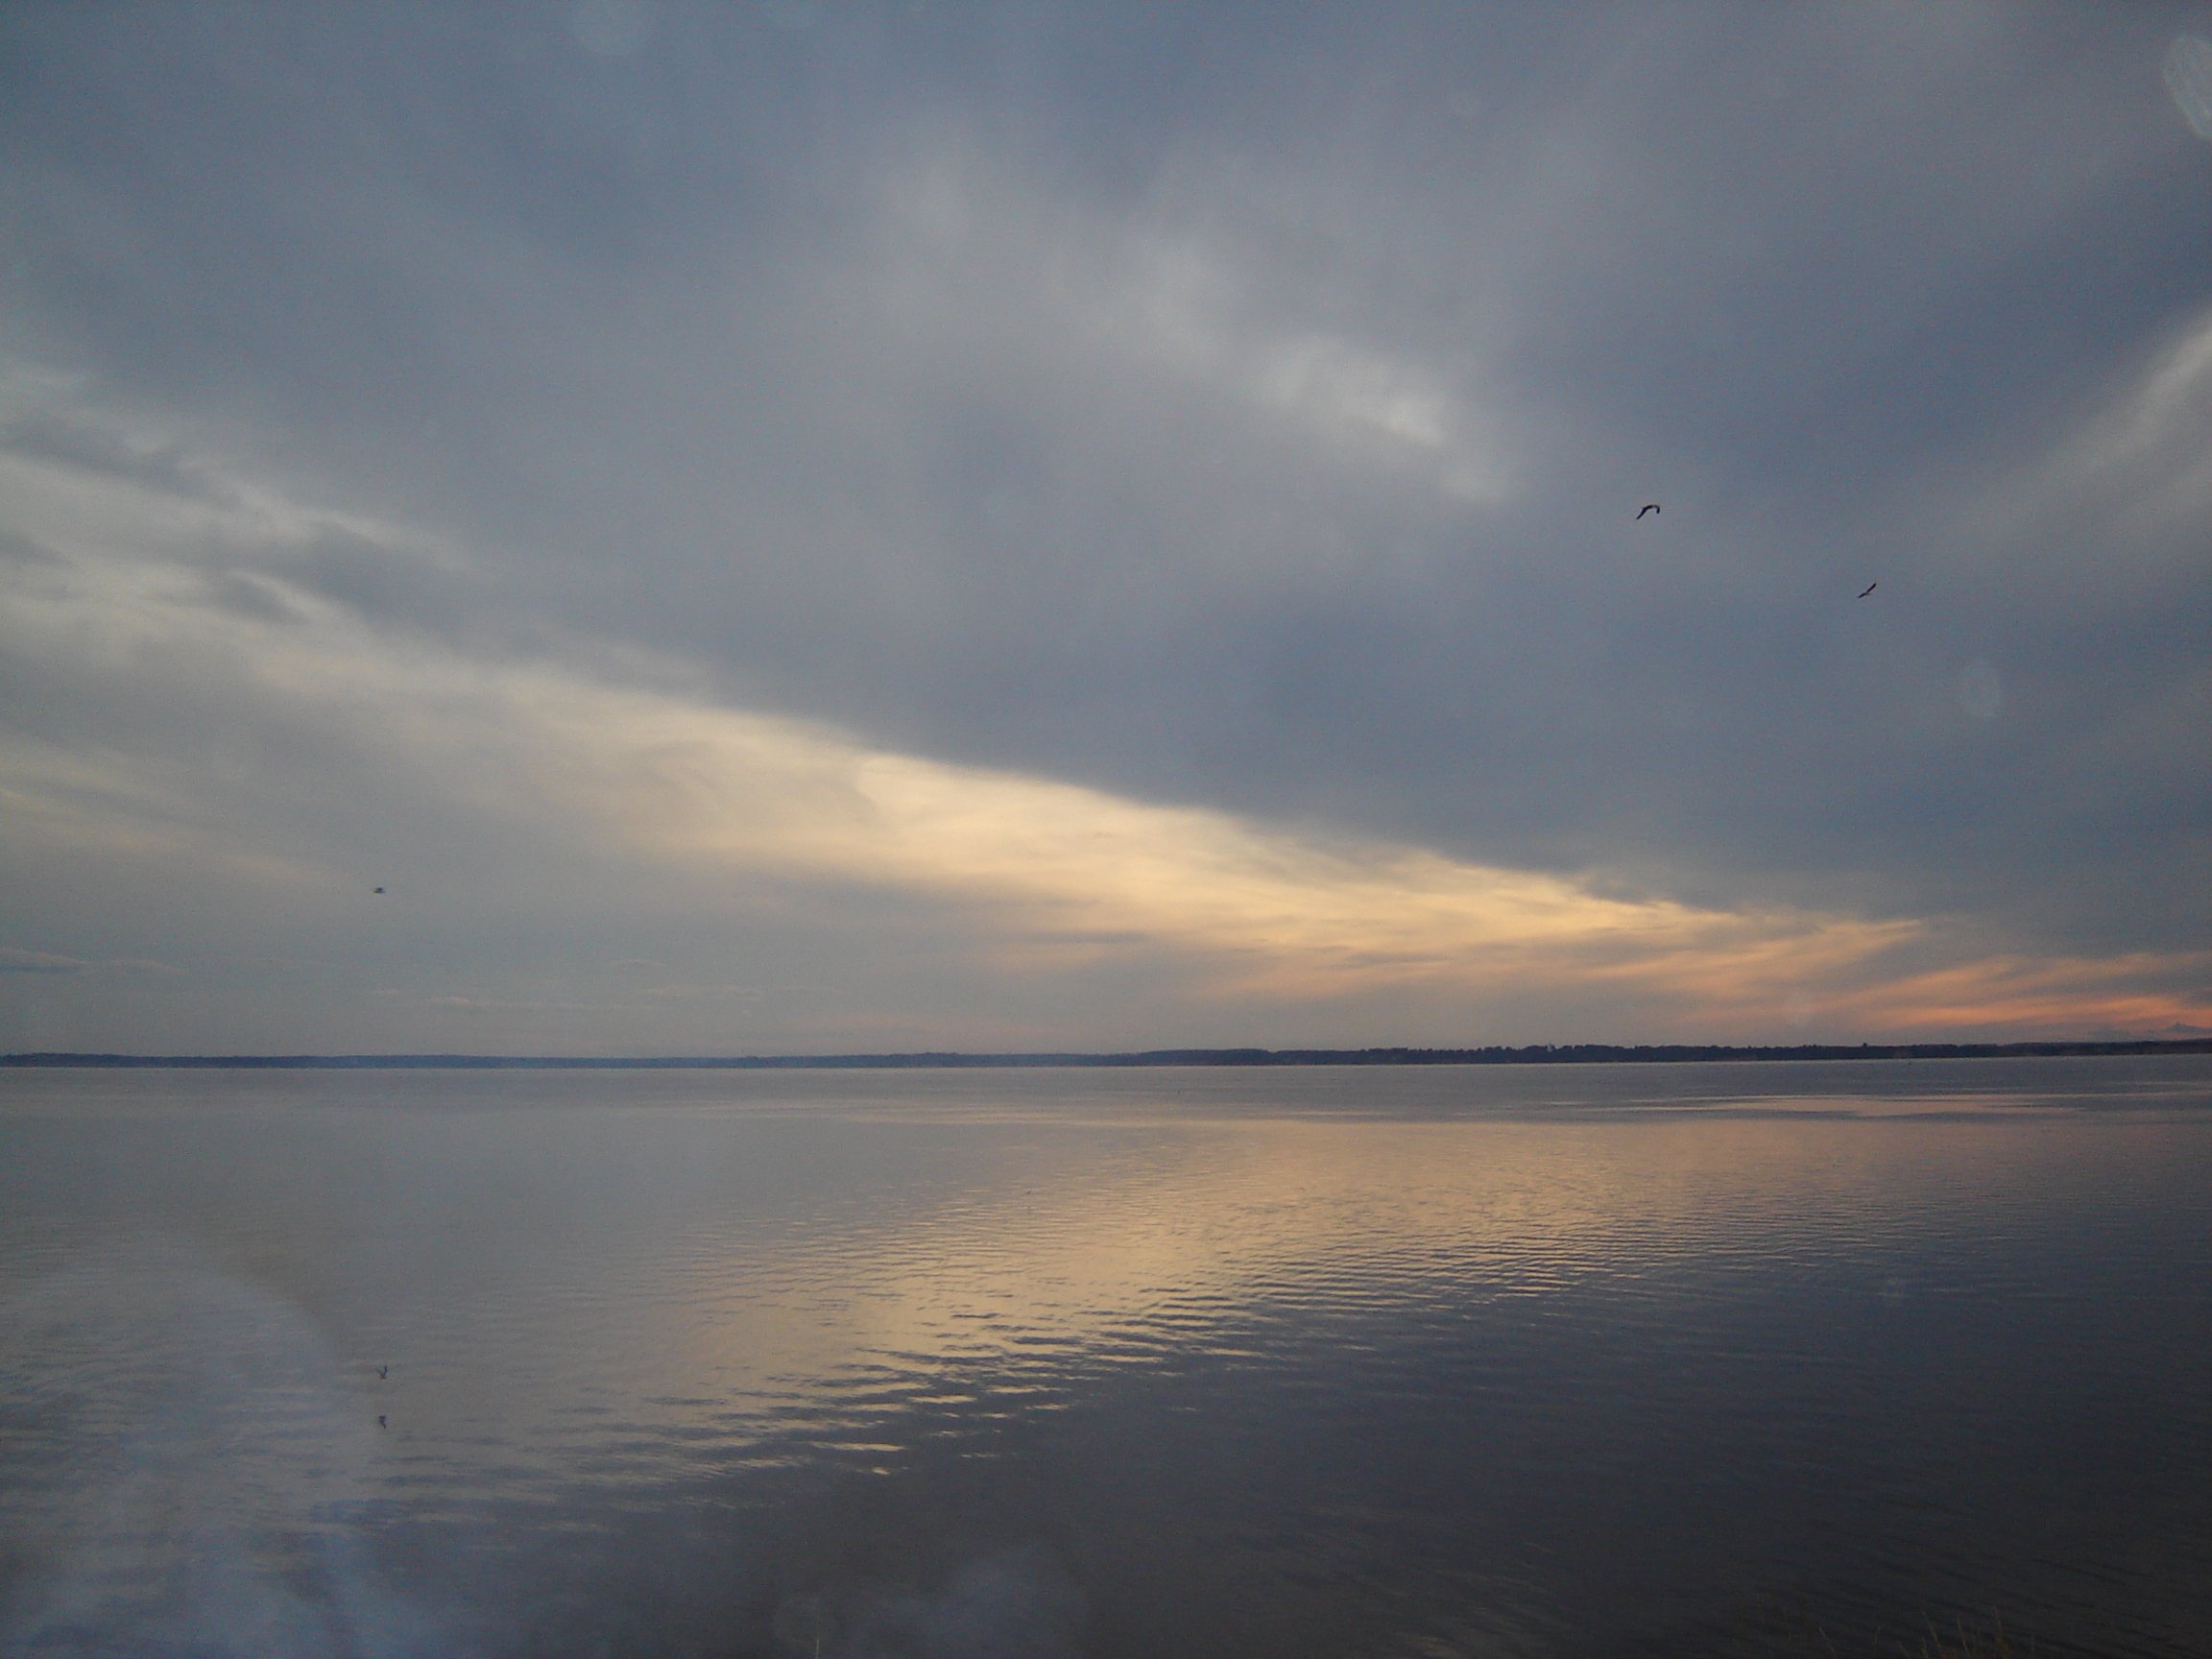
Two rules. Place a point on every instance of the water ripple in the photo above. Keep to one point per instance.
(1298, 1363)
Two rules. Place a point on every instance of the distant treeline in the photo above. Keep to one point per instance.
(1534, 1054)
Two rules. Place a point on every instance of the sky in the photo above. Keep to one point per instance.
(829, 525)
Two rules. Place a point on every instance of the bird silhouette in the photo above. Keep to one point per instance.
(1870, 586)
(1648, 507)
(382, 1371)
(380, 1422)
(379, 889)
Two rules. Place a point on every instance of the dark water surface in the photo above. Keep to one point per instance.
(1431, 1361)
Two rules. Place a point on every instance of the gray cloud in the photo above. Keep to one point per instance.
(1242, 416)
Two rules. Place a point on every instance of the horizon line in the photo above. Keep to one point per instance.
(1535, 1053)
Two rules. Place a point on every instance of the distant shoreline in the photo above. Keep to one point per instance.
(1534, 1054)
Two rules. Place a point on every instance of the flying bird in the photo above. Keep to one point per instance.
(382, 1371)
(1649, 507)
(379, 889)
(1870, 586)
(381, 1424)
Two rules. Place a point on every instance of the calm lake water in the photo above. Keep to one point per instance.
(1541, 1360)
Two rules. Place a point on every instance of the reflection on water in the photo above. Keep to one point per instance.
(1566, 1360)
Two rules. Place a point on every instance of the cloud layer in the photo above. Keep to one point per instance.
(851, 525)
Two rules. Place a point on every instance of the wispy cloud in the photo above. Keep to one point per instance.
(13, 960)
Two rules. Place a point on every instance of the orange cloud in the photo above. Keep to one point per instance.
(2058, 995)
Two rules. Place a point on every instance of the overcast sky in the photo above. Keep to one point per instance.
(831, 525)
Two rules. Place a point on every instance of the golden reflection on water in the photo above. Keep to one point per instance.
(1193, 1227)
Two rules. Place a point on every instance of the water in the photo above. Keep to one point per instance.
(1560, 1361)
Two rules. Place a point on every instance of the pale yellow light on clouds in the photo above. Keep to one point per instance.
(1043, 874)
(1050, 871)
(1280, 914)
